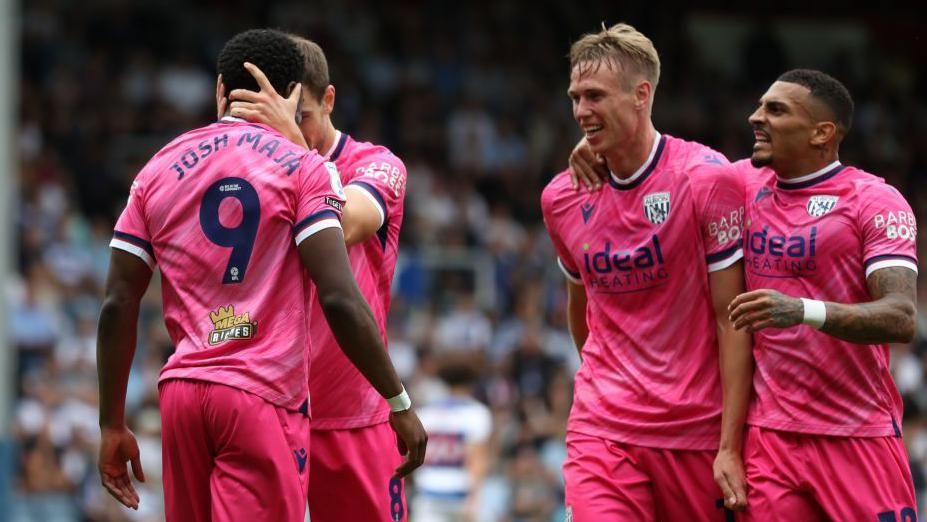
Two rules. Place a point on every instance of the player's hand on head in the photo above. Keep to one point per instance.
(759, 309)
(412, 440)
(266, 106)
(587, 168)
(117, 447)
(730, 476)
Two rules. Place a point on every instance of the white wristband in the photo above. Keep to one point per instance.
(815, 312)
(401, 402)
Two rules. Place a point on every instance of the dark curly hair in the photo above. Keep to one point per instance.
(272, 51)
(828, 90)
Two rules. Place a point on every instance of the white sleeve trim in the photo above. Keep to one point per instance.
(480, 426)
(372, 199)
(569, 276)
(878, 265)
(317, 226)
(724, 263)
(125, 246)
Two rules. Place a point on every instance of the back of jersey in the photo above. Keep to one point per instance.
(218, 210)
(453, 424)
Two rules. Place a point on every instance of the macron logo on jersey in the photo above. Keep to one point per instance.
(587, 209)
(763, 193)
(301, 457)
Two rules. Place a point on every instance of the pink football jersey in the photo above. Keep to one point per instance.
(218, 209)
(821, 236)
(341, 397)
(642, 248)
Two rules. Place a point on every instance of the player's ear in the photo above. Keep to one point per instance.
(328, 100)
(221, 101)
(289, 89)
(824, 132)
(642, 93)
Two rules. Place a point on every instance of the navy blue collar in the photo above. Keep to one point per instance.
(338, 148)
(646, 169)
(812, 179)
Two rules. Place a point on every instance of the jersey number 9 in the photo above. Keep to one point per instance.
(240, 238)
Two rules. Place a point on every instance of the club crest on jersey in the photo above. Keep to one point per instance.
(820, 205)
(657, 207)
(230, 326)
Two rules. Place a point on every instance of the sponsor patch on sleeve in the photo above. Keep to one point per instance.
(336, 203)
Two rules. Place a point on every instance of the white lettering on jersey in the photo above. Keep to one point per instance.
(728, 228)
(900, 224)
(387, 173)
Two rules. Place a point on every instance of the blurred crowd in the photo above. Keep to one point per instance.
(472, 97)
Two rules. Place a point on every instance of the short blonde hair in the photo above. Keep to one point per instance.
(623, 46)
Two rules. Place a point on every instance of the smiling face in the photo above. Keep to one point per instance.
(789, 126)
(609, 105)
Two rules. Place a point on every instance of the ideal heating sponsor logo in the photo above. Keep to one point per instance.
(775, 255)
(228, 326)
(613, 269)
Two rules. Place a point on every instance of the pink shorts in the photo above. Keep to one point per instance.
(352, 476)
(793, 476)
(229, 455)
(608, 480)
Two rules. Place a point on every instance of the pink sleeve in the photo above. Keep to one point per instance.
(320, 198)
(131, 231)
(564, 260)
(889, 229)
(383, 180)
(719, 196)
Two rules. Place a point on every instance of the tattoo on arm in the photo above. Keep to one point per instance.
(893, 280)
(888, 318)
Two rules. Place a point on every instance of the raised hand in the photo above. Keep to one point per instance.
(586, 167)
(267, 106)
